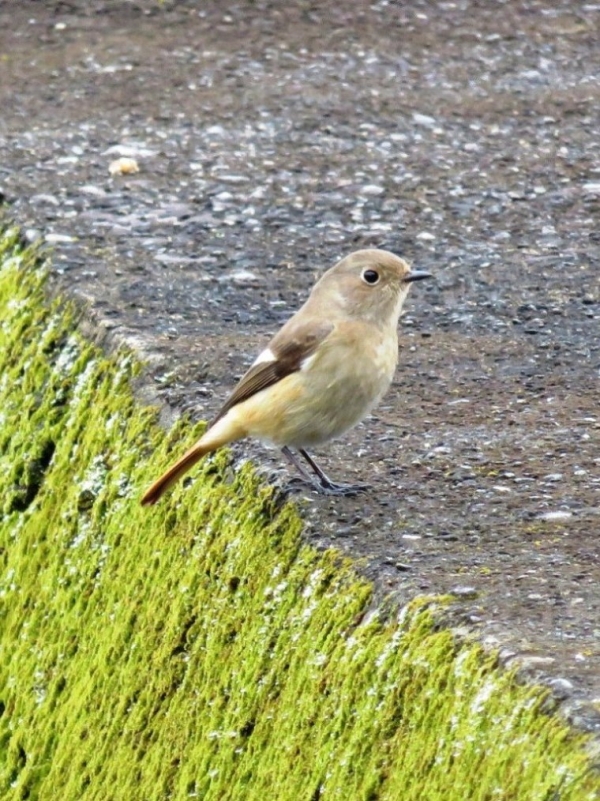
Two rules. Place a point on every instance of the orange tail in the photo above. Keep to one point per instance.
(221, 433)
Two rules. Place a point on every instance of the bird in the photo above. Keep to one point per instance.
(320, 375)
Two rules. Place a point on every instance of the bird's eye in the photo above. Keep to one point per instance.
(370, 277)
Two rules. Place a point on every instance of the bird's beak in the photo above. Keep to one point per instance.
(416, 275)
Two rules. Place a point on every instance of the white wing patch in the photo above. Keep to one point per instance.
(266, 356)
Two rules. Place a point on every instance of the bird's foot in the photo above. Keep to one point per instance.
(348, 490)
(329, 488)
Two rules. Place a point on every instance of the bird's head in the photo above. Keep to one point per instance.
(368, 285)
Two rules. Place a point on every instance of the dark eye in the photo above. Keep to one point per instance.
(370, 276)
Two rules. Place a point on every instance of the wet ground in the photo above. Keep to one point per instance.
(274, 138)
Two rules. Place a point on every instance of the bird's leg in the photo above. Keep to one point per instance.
(320, 481)
(293, 461)
(325, 485)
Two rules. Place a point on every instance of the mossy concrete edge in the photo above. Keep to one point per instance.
(202, 649)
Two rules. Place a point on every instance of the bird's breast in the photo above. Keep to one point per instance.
(334, 390)
(344, 380)
(357, 367)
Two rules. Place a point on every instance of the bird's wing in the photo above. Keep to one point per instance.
(288, 349)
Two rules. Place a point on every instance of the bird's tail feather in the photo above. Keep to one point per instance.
(220, 434)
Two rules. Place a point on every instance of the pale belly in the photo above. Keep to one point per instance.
(331, 394)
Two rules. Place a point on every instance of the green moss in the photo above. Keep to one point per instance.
(201, 649)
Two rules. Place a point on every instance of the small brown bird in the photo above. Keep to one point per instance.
(327, 367)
